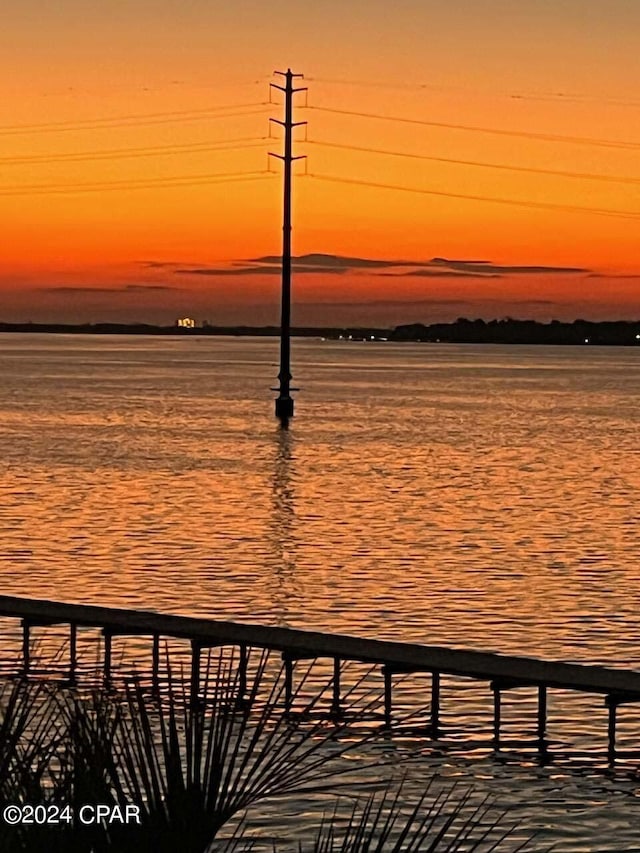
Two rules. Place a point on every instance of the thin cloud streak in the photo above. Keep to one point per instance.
(327, 261)
(389, 303)
(128, 288)
(430, 273)
(318, 262)
(614, 275)
(240, 271)
(487, 266)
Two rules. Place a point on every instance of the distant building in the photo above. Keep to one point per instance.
(185, 323)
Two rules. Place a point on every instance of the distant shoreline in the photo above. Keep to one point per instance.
(462, 331)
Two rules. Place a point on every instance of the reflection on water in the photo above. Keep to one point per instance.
(483, 497)
(282, 530)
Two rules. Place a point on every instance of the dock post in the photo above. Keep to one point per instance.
(542, 719)
(335, 702)
(26, 647)
(435, 704)
(195, 672)
(387, 672)
(73, 654)
(288, 683)
(496, 716)
(155, 666)
(107, 655)
(611, 750)
(242, 673)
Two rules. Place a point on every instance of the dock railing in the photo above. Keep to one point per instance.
(503, 672)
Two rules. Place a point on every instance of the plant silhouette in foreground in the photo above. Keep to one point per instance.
(193, 766)
(197, 767)
(441, 821)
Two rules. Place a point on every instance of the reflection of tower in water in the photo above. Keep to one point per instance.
(285, 591)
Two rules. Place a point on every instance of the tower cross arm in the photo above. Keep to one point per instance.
(284, 123)
(293, 91)
(283, 157)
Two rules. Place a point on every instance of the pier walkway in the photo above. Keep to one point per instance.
(503, 672)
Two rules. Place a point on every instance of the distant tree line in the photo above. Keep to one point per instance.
(510, 331)
(461, 331)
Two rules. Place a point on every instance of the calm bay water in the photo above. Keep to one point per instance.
(480, 497)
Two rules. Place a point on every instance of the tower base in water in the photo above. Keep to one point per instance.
(284, 408)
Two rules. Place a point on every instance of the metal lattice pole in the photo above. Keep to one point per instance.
(284, 401)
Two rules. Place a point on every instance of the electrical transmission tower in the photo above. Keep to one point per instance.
(284, 401)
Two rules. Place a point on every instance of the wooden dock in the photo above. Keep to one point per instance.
(503, 672)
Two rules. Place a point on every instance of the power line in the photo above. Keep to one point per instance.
(226, 84)
(132, 116)
(564, 97)
(530, 204)
(545, 137)
(160, 86)
(150, 183)
(375, 84)
(136, 120)
(527, 169)
(124, 153)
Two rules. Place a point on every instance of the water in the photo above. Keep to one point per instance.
(480, 497)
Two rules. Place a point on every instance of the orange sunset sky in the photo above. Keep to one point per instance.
(133, 158)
